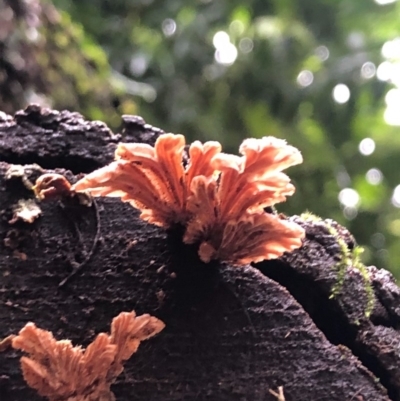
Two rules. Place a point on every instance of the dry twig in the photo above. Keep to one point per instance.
(56, 186)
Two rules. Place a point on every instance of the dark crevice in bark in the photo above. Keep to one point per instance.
(326, 315)
(321, 309)
(76, 164)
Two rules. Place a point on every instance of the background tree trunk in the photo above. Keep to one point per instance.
(231, 333)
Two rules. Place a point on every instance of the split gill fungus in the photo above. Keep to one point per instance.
(59, 371)
(218, 198)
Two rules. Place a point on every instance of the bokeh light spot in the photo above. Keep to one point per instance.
(392, 99)
(138, 65)
(221, 39)
(396, 196)
(322, 52)
(246, 45)
(168, 27)
(367, 146)
(305, 78)
(384, 2)
(349, 197)
(226, 55)
(391, 49)
(368, 70)
(350, 212)
(374, 176)
(384, 71)
(341, 93)
(237, 27)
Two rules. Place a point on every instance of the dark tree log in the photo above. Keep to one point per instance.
(231, 333)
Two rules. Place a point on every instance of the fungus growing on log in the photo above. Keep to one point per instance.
(59, 371)
(218, 198)
(51, 185)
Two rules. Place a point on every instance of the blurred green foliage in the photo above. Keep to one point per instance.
(322, 74)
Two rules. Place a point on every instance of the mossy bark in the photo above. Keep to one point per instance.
(231, 333)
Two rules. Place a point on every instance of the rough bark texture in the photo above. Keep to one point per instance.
(231, 333)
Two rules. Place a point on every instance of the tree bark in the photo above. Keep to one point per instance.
(231, 333)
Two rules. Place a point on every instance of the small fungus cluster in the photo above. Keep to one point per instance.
(218, 198)
(59, 371)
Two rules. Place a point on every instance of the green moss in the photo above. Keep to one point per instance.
(308, 216)
(348, 258)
